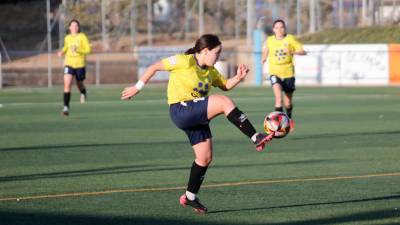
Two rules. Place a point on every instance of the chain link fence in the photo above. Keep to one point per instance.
(32, 31)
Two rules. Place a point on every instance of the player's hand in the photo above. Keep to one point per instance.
(129, 92)
(242, 71)
(60, 53)
(287, 51)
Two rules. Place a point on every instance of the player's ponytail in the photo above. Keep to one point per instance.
(190, 51)
(208, 41)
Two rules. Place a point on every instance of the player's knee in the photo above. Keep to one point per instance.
(226, 102)
(67, 89)
(204, 161)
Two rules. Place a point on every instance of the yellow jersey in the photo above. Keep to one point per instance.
(76, 47)
(187, 80)
(281, 63)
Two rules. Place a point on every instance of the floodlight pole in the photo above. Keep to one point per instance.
(250, 21)
(312, 15)
(49, 63)
(61, 23)
(287, 10)
(371, 10)
(237, 19)
(340, 13)
(201, 17)
(298, 17)
(149, 23)
(318, 16)
(355, 11)
(364, 12)
(187, 20)
(132, 24)
(104, 36)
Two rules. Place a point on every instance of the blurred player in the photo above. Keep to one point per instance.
(279, 49)
(191, 108)
(76, 47)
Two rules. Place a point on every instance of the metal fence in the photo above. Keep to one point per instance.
(120, 25)
(32, 28)
(101, 67)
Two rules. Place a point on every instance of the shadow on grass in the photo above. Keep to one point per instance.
(317, 136)
(30, 218)
(60, 147)
(355, 218)
(139, 169)
(393, 197)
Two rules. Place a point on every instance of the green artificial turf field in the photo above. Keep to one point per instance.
(124, 162)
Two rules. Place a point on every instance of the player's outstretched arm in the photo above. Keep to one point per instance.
(130, 92)
(241, 73)
(300, 51)
(264, 55)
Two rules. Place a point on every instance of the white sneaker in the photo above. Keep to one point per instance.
(65, 111)
(82, 98)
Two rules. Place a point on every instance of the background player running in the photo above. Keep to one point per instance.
(279, 49)
(76, 47)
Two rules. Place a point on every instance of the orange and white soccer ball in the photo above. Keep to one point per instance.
(277, 123)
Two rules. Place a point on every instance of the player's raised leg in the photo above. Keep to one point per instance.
(220, 104)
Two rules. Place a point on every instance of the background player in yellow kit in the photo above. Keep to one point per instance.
(191, 108)
(279, 49)
(76, 47)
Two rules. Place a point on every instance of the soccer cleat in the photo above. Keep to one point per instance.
(262, 139)
(82, 99)
(291, 122)
(195, 204)
(65, 111)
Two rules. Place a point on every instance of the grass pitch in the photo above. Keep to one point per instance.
(124, 162)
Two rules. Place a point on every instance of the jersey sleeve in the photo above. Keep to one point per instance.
(85, 46)
(295, 43)
(218, 80)
(268, 42)
(174, 62)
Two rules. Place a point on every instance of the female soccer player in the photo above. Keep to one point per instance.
(76, 47)
(191, 76)
(279, 49)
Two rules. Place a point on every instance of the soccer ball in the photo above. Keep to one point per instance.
(278, 123)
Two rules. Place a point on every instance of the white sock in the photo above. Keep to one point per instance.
(254, 137)
(191, 196)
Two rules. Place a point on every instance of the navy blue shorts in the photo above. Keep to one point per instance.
(79, 73)
(191, 117)
(287, 84)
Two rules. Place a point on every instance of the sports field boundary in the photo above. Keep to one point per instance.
(227, 184)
